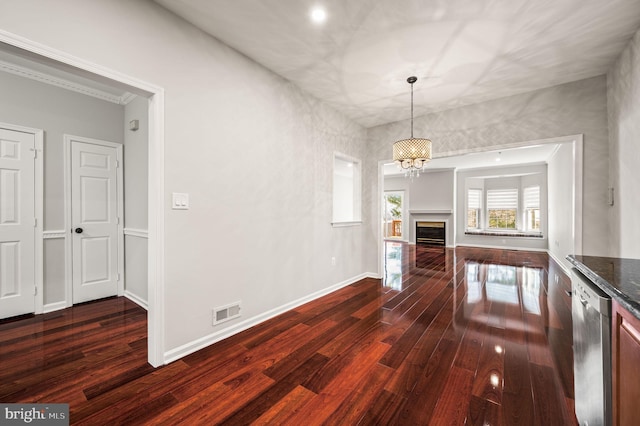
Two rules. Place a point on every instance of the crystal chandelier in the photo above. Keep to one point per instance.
(412, 154)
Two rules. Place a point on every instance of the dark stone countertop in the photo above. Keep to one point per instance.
(619, 278)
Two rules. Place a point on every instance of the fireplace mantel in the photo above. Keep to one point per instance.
(444, 215)
(442, 211)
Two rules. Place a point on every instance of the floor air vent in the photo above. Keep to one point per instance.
(226, 313)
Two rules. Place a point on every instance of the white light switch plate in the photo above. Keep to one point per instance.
(180, 201)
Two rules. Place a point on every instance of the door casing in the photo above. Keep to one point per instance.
(68, 141)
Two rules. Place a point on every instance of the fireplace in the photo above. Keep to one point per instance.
(430, 233)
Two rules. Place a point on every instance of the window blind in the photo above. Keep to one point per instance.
(502, 199)
(532, 197)
(474, 198)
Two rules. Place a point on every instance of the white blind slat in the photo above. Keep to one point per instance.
(473, 198)
(532, 197)
(502, 199)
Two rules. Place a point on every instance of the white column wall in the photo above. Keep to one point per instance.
(623, 83)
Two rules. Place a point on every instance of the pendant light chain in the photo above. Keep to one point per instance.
(411, 110)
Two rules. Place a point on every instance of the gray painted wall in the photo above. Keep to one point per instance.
(623, 83)
(253, 151)
(136, 168)
(226, 117)
(56, 111)
(573, 108)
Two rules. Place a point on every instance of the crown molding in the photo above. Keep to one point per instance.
(127, 97)
(65, 84)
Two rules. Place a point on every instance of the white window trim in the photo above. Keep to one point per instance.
(521, 223)
(518, 227)
(480, 212)
(346, 224)
(525, 207)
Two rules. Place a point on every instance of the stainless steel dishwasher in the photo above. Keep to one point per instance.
(591, 310)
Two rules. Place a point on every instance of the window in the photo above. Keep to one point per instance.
(474, 205)
(532, 208)
(502, 208)
(346, 189)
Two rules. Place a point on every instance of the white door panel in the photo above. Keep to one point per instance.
(94, 217)
(17, 223)
(10, 267)
(96, 260)
(95, 199)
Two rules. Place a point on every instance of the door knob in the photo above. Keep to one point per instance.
(78, 230)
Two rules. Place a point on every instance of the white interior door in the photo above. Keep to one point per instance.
(17, 223)
(94, 220)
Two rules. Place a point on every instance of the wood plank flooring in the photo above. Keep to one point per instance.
(448, 337)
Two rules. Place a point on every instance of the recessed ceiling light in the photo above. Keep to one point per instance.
(318, 15)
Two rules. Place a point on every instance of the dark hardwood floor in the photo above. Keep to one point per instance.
(465, 336)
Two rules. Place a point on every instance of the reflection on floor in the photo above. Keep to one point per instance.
(465, 336)
(511, 323)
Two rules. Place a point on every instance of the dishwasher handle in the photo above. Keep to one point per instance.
(581, 297)
(584, 302)
(589, 295)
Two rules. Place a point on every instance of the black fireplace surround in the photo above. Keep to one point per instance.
(431, 233)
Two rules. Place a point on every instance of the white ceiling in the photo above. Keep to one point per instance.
(463, 51)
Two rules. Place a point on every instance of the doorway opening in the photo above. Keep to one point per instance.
(154, 97)
(429, 200)
(392, 215)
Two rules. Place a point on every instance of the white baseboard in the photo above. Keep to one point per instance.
(203, 342)
(50, 307)
(502, 247)
(136, 299)
(445, 246)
